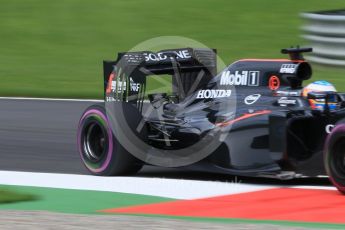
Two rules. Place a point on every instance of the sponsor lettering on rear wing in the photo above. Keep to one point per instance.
(186, 57)
(125, 78)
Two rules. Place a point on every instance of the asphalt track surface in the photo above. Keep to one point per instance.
(40, 136)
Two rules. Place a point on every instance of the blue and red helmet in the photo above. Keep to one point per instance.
(321, 86)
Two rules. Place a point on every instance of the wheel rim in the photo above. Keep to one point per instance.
(338, 161)
(95, 142)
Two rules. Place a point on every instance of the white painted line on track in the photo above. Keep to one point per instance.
(315, 187)
(171, 188)
(49, 99)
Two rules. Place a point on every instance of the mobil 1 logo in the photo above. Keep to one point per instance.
(253, 78)
(240, 78)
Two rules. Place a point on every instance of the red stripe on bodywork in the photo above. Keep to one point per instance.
(244, 116)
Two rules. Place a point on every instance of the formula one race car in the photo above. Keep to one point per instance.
(254, 118)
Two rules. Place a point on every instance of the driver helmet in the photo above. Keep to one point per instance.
(321, 86)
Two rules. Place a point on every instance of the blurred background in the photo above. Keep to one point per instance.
(56, 48)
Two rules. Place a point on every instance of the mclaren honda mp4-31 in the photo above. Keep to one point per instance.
(254, 118)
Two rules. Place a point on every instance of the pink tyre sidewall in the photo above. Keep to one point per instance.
(105, 164)
(337, 133)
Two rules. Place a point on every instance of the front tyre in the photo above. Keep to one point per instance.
(99, 149)
(334, 157)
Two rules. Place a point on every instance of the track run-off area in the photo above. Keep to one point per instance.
(38, 155)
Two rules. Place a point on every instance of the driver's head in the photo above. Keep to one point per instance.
(320, 86)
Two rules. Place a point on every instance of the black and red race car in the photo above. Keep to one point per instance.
(254, 118)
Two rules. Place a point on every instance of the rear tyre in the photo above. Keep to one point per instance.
(99, 149)
(334, 157)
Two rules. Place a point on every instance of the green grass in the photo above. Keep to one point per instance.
(55, 48)
(75, 201)
(9, 197)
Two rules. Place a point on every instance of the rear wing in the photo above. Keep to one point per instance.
(133, 67)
